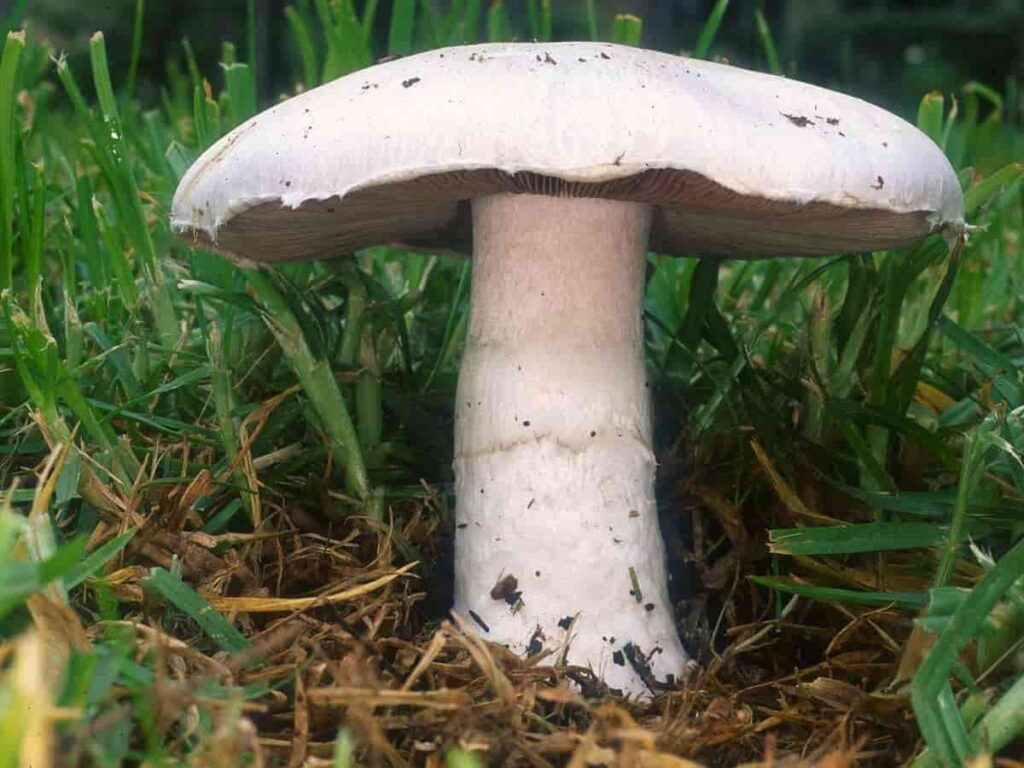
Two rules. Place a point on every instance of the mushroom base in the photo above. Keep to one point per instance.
(557, 542)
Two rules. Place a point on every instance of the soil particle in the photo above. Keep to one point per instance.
(410, 82)
(507, 589)
(619, 659)
(880, 183)
(565, 623)
(604, 55)
(648, 607)
(535, 646)
(832, 120)
(548, 59)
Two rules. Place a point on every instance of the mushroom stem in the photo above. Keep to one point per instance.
(554, 468)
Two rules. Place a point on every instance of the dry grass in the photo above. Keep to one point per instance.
(341, 635)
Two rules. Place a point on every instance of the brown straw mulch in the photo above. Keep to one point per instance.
(348, 622)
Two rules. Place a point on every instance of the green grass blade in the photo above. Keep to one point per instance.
(317, 380)
(34, 216)
(990, 95)
(592, 27)
(187, 600)
(251, 52)
(118, 360)
(403, 17)
(929, 116)
(627, 29)
(702, 296)
(764, 34)
(900, 389)
(367, 22)
(707, 35)
(116, 261)
(910, 600)
(986, 188)
(471, 21)
(498, 29)
(355, 52)
(970, 344)
(849, 539)
(110, 136)
(304, 43)
(96, 559)
(13, 49)
(136, 52)
(191, 63)
(971, 467)
(431, 24)
(240, 84)
(14, 18)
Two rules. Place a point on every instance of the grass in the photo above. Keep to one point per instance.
(226, 493)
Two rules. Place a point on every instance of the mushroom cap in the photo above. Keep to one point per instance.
(736, 163)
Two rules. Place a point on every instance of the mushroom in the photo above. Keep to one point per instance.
(558, 166)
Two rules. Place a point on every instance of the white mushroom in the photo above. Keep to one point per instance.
(558, 166)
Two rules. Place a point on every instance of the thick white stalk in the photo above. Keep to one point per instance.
(557, 542)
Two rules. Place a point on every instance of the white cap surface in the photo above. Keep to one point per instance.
(738, 163)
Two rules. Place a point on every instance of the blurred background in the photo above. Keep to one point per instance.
(890, 51)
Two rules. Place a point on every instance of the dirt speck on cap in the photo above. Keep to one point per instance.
(798, 120)
(476, 617)
(410, 82)
(641, 664)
